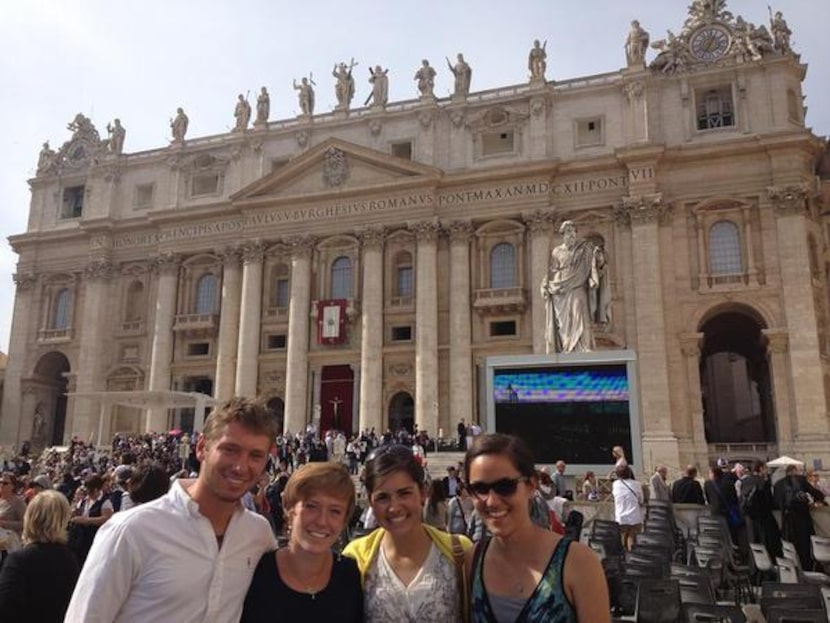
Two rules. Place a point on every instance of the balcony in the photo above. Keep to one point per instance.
(55, 336)
(500, 301)
(276, 314)
(400, 303)
(196, 324)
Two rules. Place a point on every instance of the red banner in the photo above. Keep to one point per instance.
(331, 321)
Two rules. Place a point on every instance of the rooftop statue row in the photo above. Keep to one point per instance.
(709, 34)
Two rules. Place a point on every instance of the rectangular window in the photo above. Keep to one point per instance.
(589, 132)
(204, 184)
(497, 143)
(144, 196)
(715, 108)
(402, 150)
(402, 334)
(503, 328)
(73, 202)
(198, 349)
(281, 293)
(277, 342)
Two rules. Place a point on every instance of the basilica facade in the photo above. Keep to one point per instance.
(355, 269)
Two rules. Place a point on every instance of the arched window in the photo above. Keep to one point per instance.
(404, 275)
(60, 315)
(206, 295)
(134, 308)
(341, 278)
(725, 249)
(281, 292)
(503, 266)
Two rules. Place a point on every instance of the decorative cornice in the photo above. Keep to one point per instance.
(539, 221)
(252, 251)
(642, 209)
(24, 281)
(100, 269)
(425, 231)
(167, 263)
(788, 199)
(459, 231)
(372, 237)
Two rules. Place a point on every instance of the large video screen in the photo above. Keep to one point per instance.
(576, 413)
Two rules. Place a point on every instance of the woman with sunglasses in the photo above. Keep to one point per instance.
(524, 573)
(411, 571)
(306, 580)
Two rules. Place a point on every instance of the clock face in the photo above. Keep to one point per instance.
(710, 43)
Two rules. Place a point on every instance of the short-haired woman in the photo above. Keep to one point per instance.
(36, 582)
(411, 571)
(524, 573)
(306, 580)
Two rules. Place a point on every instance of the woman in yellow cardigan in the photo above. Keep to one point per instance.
(410, 571)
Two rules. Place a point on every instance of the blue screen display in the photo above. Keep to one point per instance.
(551, 385)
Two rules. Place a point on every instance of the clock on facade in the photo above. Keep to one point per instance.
(709, 43)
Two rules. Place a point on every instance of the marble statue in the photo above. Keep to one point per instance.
(263, 107)
(576, 293)
(46, 158)
(242, 114)
(116, 137)
(537, 60)
(426, 79)
(636, 45)
(178, 126)
(38, 424)
(379, 80)
(305, 94)
(344, 87)
(463, 74)
(780, 32)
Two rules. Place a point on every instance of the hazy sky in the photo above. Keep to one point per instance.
(139, 60)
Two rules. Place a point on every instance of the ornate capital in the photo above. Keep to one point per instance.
(690, 344)
(372, 237)
(778, 341)
(24, 281)
(641, 209)
(788, 199)
(633, 90)
(167, 263)
(301, 246)
(539, 222)
(231, 256)
(99, 270)
(425, 231)
(252, 251)
(460, 231)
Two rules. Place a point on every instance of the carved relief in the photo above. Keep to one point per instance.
(425, 118)
(399, 369)
(375, 126)
(302, 138)
(537, 106)
(633, 91)
(335, 167)
(788, 199)
(457, 118)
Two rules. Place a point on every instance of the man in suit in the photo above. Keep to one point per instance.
(451, 482)
(687, 490)
(659, 489)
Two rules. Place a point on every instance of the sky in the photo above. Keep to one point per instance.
(140, 60)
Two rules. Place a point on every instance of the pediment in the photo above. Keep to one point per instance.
(335, 167)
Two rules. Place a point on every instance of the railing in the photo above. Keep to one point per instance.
(400, 301)
(276, 313)
(55, 335)
(192, 322)
(131, 327)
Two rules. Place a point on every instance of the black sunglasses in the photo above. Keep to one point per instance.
(505, 487)
(392, 449)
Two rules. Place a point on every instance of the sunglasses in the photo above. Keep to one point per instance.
(393, 450)
(505, 487)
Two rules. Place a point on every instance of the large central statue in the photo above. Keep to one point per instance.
(576, 293)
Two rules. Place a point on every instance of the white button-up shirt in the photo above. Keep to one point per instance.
(160, 562)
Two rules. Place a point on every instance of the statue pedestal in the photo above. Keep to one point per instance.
(458, 98)
(260, 125)
(377, 108)
(428, 100)
(340, 113)
(538, 83)
(305, 118)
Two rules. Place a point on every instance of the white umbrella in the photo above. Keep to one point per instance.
(784, 461)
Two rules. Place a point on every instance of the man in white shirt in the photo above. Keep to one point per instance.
(188, 556)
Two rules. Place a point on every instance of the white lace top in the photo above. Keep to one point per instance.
(431, 597)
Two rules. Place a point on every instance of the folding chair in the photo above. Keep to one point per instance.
(820, 546)
(760, 562)
(813, 577)
(703, 613)
(658, 601)
(780, 614)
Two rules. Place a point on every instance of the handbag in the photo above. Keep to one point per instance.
(461, 577)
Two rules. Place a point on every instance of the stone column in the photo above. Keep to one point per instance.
(371, 341)
(539, 223)
(167, 268)
(24, 308)
(247, 356)
(461, 372)
(690, 346)
(91, 353)
(296, 376)
(777, 346)
(810, 405)
(228, 325)
(643, 214)
(426, 326)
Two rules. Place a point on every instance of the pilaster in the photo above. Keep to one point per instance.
(229, 318)
(166, 266)
(247, 364)
(461, 372)
(540, 223)
(777, 350)
(690, 344)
